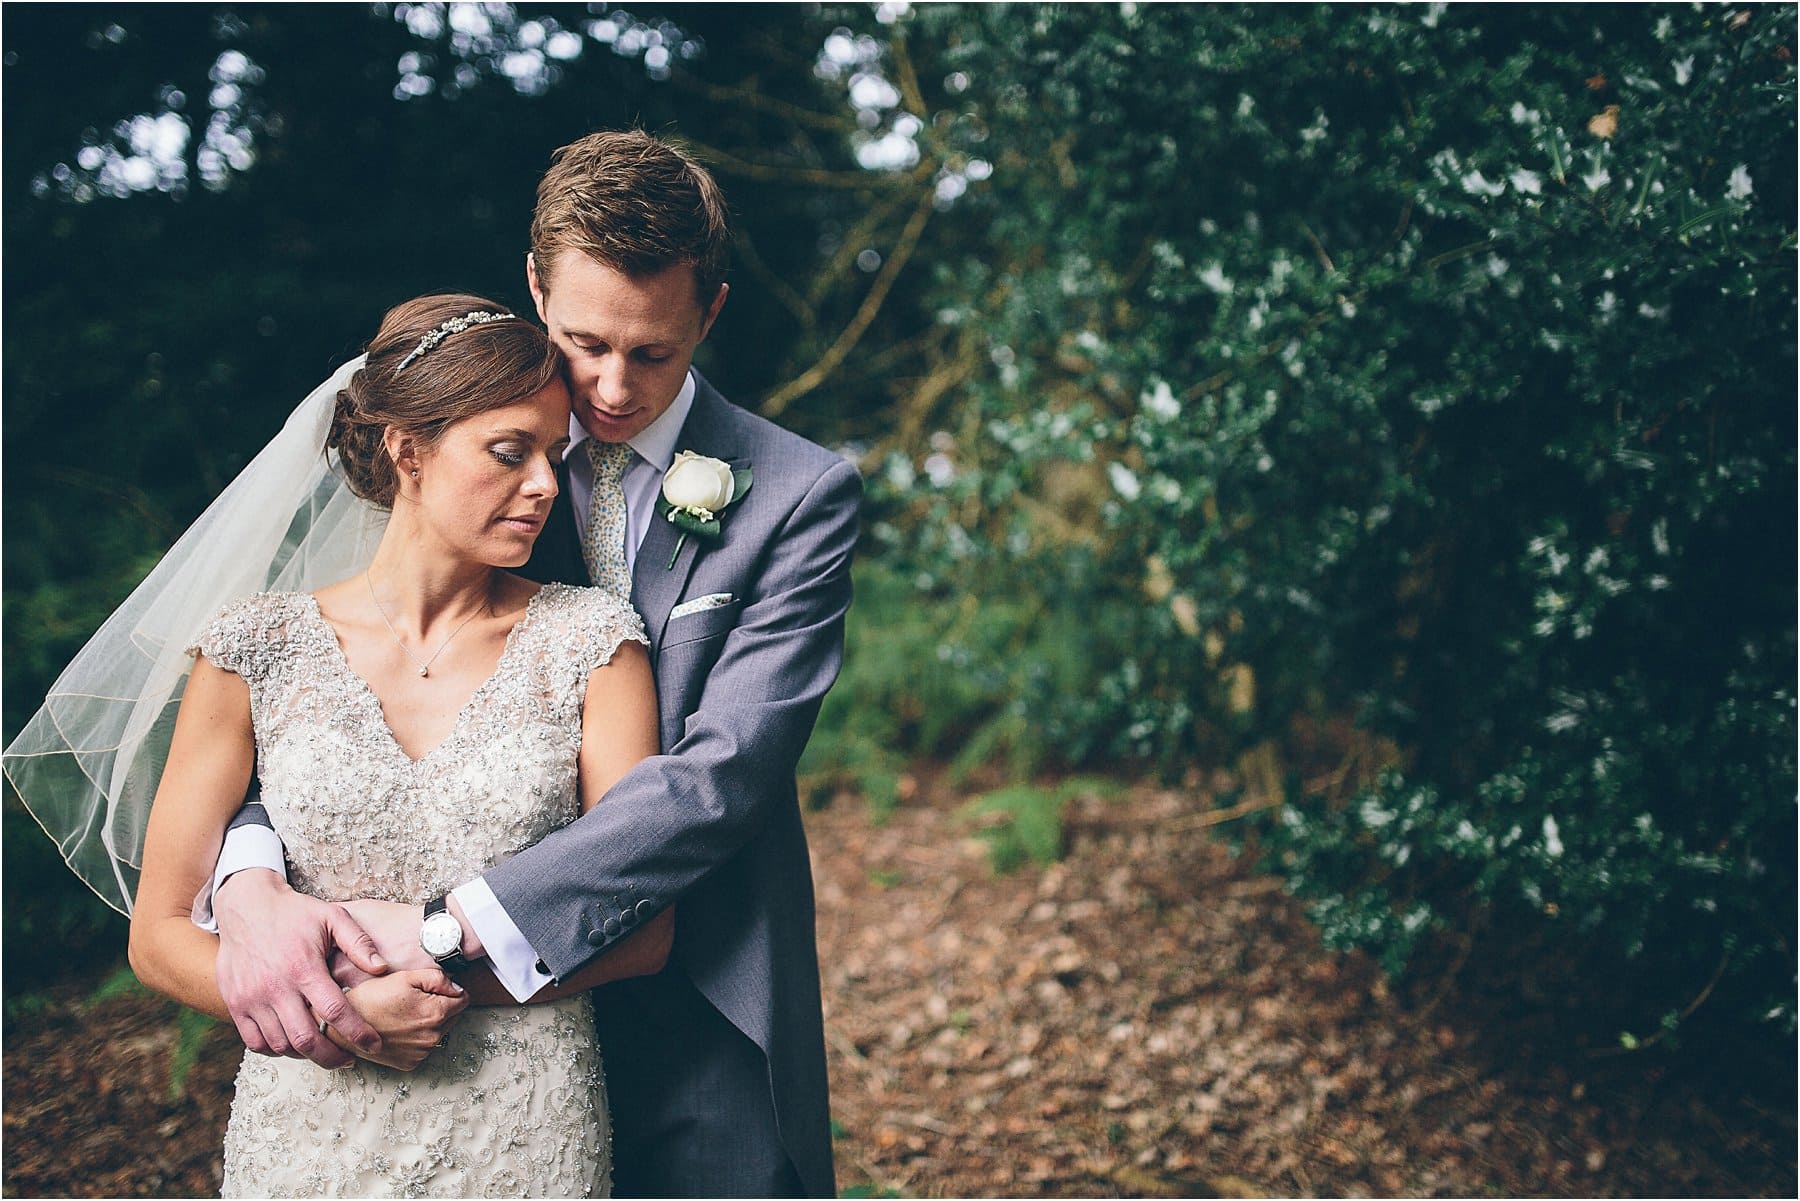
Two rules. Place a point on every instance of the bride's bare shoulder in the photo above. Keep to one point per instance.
(341, 597)
(513, 593)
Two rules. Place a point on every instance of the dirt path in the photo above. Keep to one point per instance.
(1146, 1018)
(1149, 1018)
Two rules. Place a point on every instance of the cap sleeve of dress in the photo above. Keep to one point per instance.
(601, 621)
(245, 636)
(582, 628)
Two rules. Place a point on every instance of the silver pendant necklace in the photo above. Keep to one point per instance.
(425, 667)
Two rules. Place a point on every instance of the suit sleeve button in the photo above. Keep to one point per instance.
(645, 909)
(596, 939)
(628, 918)
(611, 927)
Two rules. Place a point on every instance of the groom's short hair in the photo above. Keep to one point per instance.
(635, 203)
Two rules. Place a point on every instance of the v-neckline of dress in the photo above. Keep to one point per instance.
(360, 685)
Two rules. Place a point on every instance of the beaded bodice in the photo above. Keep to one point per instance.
(357, 815)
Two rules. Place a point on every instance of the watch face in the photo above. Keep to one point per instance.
(441, 935)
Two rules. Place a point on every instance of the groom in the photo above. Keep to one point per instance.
(715, 1066)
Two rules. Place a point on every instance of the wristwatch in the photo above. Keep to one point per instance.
(441, 935)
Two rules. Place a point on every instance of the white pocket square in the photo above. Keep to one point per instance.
(701, 604)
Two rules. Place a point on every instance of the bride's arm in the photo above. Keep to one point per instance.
(207, 772)
(210, 761)
(618, 721)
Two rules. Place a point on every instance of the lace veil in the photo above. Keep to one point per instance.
(88, 762)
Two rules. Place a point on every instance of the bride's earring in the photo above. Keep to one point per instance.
(415, 473)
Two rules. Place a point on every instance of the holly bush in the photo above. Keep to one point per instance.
(1431, 367)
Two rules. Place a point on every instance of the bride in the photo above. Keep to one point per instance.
(408, 727)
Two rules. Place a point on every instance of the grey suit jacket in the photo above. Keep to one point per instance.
(714, 821)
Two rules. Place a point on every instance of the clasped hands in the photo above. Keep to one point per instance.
(288, 962)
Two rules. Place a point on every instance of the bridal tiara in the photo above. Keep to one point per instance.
(454, 325)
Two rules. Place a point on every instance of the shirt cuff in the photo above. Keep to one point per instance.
(513, 961)
(245, 847)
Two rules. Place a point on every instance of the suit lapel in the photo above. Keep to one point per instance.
(655, 585)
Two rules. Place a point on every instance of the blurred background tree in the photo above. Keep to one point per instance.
(1378, 422)
(208, 206)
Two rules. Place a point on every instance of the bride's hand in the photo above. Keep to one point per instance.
(412, 1010)
(395, 930)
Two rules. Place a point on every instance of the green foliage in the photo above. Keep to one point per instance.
(192, 1029)
(1432, 366)
(987, 681)
(994, 683)
(1024, 822)
(122, 982)
(21, 1007)
(1029, 825)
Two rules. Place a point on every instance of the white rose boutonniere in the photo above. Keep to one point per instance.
(695, 492)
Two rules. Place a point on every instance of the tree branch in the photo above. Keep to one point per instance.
(909, 78)
(877, 215)
(917, 409)
(1318, 248)
(815, 375)
(1696, 1003)
(747, 97)
(854, 181)
(1215, 817)
(783, 291)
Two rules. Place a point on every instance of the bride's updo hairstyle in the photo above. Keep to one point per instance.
(435, 361)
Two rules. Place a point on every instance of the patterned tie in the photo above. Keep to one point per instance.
(603, 543)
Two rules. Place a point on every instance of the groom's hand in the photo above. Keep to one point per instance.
(273, 945)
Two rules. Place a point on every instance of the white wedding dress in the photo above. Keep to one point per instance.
(513, 1104)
